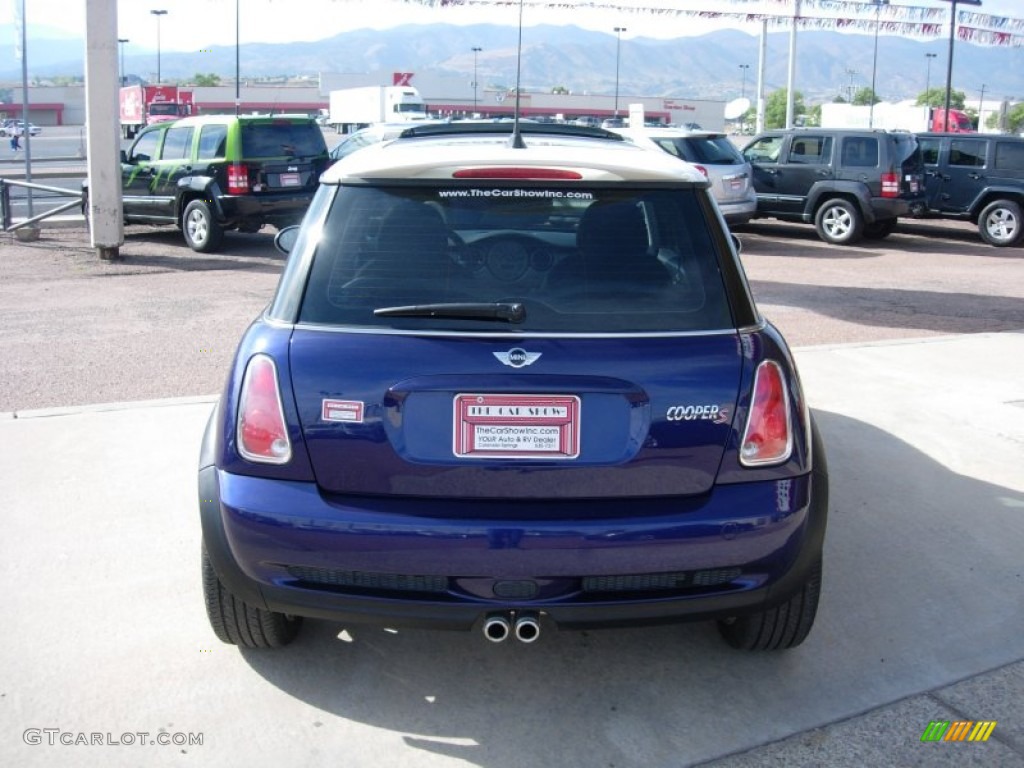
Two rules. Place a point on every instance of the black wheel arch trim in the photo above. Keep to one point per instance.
(202, 187)
(991, 194)
(823, 191)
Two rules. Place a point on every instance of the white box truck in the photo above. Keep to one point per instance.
(894, 117)
(354, 108)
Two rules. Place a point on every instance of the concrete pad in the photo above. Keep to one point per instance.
(106, 631)
(889, 736)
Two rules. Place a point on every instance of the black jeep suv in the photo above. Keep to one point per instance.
(850, 183)
(979, 179)
(212, 173)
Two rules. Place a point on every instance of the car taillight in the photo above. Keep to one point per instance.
(262, 434)
(890, 185)
(768, 437)
(238, 179)
(702, 169)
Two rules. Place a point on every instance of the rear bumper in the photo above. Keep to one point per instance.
(273, 208)
(281, 546)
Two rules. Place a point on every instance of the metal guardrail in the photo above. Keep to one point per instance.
(5, 202)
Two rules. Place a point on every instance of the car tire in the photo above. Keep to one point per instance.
(1001, 223)
(788, 624)
(839, 222)
(235, 622)
(201, 230)
(879, 230)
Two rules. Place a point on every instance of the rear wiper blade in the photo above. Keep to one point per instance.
(508, 311)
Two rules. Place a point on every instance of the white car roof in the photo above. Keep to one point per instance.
(441, 156)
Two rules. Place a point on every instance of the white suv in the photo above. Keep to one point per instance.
(716, 157)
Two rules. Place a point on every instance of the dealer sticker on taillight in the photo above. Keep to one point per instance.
(350, 411)
(517, 426)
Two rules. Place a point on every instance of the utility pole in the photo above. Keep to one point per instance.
(618, 40)
(949, 62)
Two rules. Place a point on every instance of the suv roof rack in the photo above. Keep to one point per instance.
(503, 128)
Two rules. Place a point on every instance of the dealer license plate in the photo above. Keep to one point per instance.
(517, 426)
(290, 180)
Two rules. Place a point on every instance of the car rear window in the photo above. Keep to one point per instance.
(907, 153)
(1010, 155)
(708, 150)
(578, 260)
(281, 138)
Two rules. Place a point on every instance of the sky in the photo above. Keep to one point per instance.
(295, 20)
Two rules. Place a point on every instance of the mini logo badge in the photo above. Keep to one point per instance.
(517, 357)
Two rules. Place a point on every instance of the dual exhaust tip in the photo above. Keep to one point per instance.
(525, 627)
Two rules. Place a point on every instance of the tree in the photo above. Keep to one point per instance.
(209, 79)
(865, 96)
(1015, 118)
(936, 97)
(560, 90)
(775, 107)
(813, 116)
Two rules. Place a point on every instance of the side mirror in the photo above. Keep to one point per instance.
(284, 241)
(736, 243)
(124, 157)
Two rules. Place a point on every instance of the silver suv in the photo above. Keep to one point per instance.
(714, 156)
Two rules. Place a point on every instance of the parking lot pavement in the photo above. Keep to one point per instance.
(920, 614)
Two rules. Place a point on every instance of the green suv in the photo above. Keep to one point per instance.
(213, 173)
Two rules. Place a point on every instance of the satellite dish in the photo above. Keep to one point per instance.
(735, 108)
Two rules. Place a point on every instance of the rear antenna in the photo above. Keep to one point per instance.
(516, 140)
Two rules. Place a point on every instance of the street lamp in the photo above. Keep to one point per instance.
(981, 105)
(618, 40)
(158, 14)
(928, 73)
(475, 52)
(743, 85)
(874, 62)
(122, 41)
(949, 63)
(238, 77)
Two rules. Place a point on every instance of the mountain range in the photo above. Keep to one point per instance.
(583, 61)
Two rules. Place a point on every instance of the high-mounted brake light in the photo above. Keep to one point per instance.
(262, 434)
(890, 185)
(516, 173)
(238, 179)
(768, 437)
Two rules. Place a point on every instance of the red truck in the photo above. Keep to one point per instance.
(143, 105)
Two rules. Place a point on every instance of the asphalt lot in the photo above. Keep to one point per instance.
(164, 321)
(911, 353)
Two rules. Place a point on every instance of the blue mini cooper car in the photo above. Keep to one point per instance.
(509, 383)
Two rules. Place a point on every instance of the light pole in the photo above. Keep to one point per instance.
(928, 73)
(874, 62)
(949, 62)
(618, 40)
(122, 41)
(743, 81)
(981, 104)
(158, 14)
(475, 52)
(238, 77)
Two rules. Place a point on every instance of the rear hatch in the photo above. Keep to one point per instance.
(718, 158)
(515, 346)
(283, 154)
(421, 416)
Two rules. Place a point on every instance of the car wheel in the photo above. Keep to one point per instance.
(788, 624)
(202, 232)
(1001, 224)
(878, 230)
(236, 622)
(839, 222)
